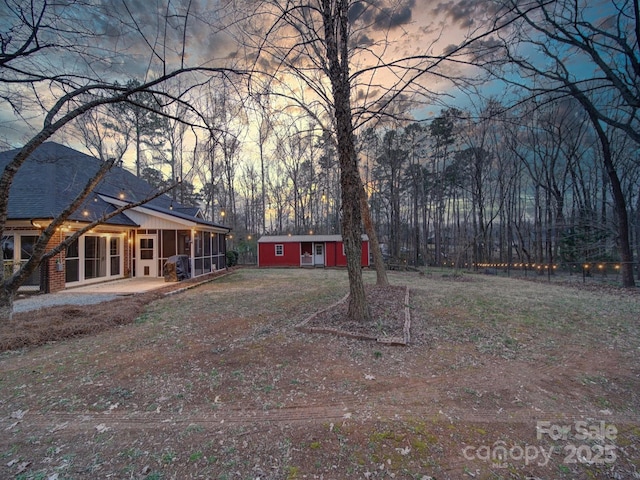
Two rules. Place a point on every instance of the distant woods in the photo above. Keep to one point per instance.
(495, 185)
(499, 186)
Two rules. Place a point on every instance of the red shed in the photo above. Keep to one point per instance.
(306, 251)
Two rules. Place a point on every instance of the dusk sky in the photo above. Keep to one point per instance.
(129, 39)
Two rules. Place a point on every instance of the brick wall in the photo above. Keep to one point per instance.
(56, 274)
(128, 245)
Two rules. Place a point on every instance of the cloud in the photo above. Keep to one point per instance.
(381, 16)
(463, 13)
(394, 17)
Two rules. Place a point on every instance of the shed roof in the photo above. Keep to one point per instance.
(303, 238)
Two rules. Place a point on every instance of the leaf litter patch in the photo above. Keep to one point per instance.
(389, 321)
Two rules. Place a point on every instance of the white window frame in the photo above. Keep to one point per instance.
(279, 247)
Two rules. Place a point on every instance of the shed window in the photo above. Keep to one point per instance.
(279, 250)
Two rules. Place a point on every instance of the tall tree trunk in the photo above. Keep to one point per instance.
(262, 191)
(336, 29)
(638, 231)
(378, 261)
(6, 303)
(539, 256)
(619, 201)
(416, 219)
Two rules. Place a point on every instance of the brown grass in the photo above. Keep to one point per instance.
(216, 382)
(51, 324)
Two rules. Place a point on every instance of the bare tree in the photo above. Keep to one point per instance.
(31, 79)
(265, 129)
(569, 36)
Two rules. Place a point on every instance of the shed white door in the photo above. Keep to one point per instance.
(318, 254)
(146, 256)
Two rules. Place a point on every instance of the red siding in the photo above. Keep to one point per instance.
(330, 254)
(341, 258)
(333, 254)
(267, 255)
(365, 254)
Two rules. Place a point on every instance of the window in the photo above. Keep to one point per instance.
(95, 257)
(7, 254)
(27, 242)
(279, 250)
(72, 263)
(114, 250)
(146, 249)
(7, 247)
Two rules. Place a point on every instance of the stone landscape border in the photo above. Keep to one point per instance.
(402, 341)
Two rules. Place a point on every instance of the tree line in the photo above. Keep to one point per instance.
(522, 185)
(307, 120)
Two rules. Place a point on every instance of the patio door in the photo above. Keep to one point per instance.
(318, 254)
(147, 256)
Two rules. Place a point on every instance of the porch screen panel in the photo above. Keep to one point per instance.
(168, 244)
(199, 239)
(214, 243)
(199, 266)
(72, 263)
(207, 243)
(184, 242)
(222, 251)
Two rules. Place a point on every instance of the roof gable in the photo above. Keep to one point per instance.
(54, 175)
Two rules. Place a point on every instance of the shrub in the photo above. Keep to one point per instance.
(232, 258)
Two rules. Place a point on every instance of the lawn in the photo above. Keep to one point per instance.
(503, 378)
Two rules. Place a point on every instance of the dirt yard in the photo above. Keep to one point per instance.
(502, 378)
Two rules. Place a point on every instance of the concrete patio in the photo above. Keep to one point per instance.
(88, 294)
(126, 286)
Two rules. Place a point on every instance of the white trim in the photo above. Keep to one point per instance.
(151, 263)
(322, 257)
(164, 216)
(304, 238)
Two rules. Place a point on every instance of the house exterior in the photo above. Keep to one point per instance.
(134, 243)
(306, 251)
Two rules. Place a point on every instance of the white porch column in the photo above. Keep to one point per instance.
(192, 253)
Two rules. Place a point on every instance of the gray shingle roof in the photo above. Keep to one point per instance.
(54, 174)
